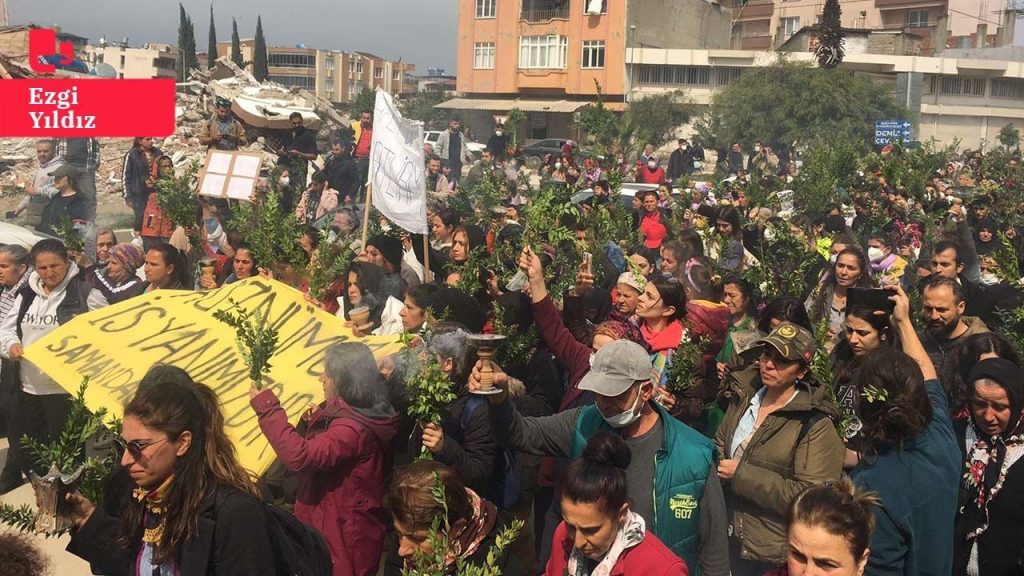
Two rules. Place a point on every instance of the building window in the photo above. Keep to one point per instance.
(543, 51)
(291, 60)
(330, 63)
(917, 18)
(673, 75)
(595, 6)
(396, 76)
(958, 86)
(789, 26)
(723, 76)
(593, 54)
(378, 72)
(1008, 88)
(307, 82)
(483, 55)
(356, 67)
(485, 8)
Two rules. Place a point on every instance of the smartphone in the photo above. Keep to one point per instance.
(588, 260)
(872, 298)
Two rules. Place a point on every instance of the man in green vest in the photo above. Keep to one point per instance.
(673, 482)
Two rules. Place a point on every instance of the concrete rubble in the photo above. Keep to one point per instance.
(260, 106)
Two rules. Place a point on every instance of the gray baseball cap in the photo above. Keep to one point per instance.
(617, 365)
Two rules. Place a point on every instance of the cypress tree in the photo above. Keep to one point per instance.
(259, 54)
(186, 45)
(211, 50)
(830, 46)
(236, 45)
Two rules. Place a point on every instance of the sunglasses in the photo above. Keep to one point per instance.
(135, 448)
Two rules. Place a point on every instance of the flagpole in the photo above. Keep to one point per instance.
(427, 276)
(366, 213)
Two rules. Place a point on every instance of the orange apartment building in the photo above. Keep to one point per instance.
(546, 57)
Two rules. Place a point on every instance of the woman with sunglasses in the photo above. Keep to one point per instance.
(190, 508)
(777, 438)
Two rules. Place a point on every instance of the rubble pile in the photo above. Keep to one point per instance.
(263, 108)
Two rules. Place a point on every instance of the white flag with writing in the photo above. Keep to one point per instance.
(396, 166)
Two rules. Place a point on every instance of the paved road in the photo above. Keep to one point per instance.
(61, 562)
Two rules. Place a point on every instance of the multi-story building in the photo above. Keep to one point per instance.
(331, 74)
(149, 61)
(549, 58)
(767, 24)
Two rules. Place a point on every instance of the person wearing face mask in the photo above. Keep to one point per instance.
(680, 163)
(498, 142)
(651, 172)
(884, 262)
(777, 439)
(671, 479)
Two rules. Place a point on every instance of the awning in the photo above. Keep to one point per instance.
(504, 105)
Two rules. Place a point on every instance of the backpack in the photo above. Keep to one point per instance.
(508, 478)
(299, 550)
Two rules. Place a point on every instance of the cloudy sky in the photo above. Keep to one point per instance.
(417, 31)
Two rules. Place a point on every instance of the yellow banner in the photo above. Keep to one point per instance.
(117, 345)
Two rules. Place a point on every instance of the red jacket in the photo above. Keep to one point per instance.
(648, 558)
(340, 464)
(654, 228)
(644, 175)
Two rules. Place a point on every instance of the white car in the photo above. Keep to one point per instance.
(475, 148)
(17, 235)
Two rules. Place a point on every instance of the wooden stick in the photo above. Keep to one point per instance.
(366, 213)
(427, 276)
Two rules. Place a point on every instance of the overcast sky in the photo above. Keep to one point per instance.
(417, 31)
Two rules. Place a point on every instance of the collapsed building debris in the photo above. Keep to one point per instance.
(263, 108)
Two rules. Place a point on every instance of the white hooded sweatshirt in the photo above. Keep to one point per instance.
(40, 319)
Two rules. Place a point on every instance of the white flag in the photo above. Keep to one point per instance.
(396, 166)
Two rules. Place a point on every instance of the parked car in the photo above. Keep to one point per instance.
(535, 153)
(475, 148)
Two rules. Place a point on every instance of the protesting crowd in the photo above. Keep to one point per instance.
(711, 363)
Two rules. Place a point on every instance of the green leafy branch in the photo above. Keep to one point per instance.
(65, 230)
(255, 338)
(429, 390)
(331, 261)
(518, 343)
(270, 231)
(687, 359)
(176, 196)
(21, 518)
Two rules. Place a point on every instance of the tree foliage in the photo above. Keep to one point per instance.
(789, 104)
(421, 106)
(1009, 136)
(654, 119)
(211, 49)
(830, 47)
(236, 45)
(259, 53)
(364, 100)
(186, 44)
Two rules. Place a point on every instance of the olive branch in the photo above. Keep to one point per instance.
(255, 338)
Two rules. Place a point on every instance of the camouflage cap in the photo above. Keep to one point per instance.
(792, 342)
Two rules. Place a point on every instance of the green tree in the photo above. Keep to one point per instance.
(364, 100)
(236, 45)
(421, 106)
(600, 125)
(1009, 136)
(186, 44)
(656, 118)
(259, 53)
(789, 105)
(211, 50)
(830, 48)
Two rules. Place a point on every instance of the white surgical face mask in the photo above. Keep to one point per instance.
(497, 132)
(832, 259)
(626, 418)
(989, 279)
(283, 181)
(683, 147)
(875, 254)
(757, 148)
(652, 164)
(558, 165)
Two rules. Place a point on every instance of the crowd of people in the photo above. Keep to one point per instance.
(716, 376)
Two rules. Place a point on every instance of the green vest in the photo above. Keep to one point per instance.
(680, 470)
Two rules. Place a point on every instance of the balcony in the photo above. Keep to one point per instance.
(903, 4)
(543, 14)
(756, 10)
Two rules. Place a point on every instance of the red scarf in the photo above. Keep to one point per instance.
(667, 339)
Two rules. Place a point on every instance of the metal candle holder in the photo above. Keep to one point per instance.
(486, 345)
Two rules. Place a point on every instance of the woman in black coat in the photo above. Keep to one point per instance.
(989, 530)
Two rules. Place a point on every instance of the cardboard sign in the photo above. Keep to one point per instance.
(115, 346)
(229, 174)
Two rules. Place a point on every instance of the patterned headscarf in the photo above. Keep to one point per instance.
(129, 257)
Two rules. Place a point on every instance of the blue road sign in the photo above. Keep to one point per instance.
(887, 131)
